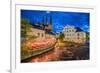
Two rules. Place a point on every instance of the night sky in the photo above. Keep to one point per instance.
(59, 19)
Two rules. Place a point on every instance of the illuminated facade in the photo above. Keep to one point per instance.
(74, 34)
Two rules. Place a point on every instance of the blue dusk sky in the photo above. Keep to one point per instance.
(59, 19)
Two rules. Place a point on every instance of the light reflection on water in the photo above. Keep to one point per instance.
(63, 54)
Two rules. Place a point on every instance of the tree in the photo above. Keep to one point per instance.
(25, 27)
(61, 36)
(24, 21)
(87, 36)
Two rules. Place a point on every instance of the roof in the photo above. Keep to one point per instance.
(49, 32)
(78, 29)
(38, 27)
(41, 28)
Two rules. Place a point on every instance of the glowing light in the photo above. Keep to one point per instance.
(48, 12)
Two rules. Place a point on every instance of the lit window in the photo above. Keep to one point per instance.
(42, 34)
(38, 34)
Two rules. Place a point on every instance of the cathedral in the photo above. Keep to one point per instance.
(42, 29)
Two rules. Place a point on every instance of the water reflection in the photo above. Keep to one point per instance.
(64, 54)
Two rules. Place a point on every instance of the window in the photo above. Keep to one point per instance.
(42, 34)
(78, 34)
(72, 30)
(38, 34)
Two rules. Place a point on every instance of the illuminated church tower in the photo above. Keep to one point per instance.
(49, 23)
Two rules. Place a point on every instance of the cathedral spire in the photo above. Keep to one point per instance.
(36, 21)
(43, 22)
(50, 20)
(47, 20)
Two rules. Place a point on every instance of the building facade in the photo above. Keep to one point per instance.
(74, 34)
(36, 33)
